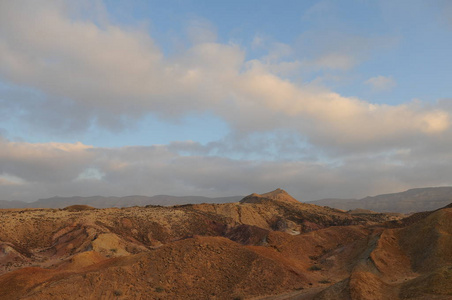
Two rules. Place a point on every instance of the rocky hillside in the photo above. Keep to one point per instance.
(267, 246)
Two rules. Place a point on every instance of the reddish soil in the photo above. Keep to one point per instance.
(268, 246)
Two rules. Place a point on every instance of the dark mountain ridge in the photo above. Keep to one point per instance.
(412, 200)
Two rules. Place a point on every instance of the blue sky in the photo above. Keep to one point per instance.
(322, 98)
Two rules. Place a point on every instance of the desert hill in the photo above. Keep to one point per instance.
(413, 262)
(267, 246)
(278, 194)
(127, 201)
(413, 200)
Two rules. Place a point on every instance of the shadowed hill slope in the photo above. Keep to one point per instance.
(412, 262)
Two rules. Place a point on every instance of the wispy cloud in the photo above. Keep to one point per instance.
(381, 83)
(201, 31)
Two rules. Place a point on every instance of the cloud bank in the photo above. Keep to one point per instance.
(30, 171)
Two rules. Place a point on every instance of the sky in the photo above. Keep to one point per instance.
(325, 99)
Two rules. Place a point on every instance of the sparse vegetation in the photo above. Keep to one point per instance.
(117, 293)
(78, 207)
(315, 268)
(159, 289)
(324, 281)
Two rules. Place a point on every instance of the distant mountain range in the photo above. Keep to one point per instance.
(128, 201)
(413, 200)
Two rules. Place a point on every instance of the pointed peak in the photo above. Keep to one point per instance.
(278, 194)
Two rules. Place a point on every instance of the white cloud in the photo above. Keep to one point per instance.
(111, 73)
(43, 162)
(90, 174)
(381, 83)
(8, 180)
